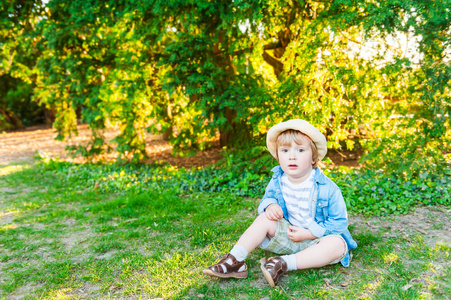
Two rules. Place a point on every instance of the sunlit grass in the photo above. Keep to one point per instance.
(64, 237)
(9, 169)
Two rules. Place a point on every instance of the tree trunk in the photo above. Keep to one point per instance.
(238, 134)
(49, 116)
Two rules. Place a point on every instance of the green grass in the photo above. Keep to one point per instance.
(84, 232)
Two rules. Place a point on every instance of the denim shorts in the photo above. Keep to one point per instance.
(281, 243)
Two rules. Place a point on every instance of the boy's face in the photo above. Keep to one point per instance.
(296, 160)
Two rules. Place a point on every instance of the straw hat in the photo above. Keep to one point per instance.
(301, 125)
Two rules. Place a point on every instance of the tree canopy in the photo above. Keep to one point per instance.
(373, 74)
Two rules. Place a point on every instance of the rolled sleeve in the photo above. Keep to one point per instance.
(317, 230)
(269, 197)
(265, 203)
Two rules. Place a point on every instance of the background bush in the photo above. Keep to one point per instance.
(198, 70)
(365, 191)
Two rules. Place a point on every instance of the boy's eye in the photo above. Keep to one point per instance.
(284, 150)
(300, 150)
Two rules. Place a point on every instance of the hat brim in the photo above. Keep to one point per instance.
(301, 125)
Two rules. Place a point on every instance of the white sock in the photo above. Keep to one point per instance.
(239, 252)
(291, 262)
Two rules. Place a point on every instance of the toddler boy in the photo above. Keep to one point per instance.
(302, 215)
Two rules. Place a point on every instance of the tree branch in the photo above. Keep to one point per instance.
(273, 62)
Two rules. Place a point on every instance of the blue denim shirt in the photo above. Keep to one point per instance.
(326, 206)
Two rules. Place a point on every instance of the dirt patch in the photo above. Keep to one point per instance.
(345, 157)
(25, 145)
(86, 290)
(76, 239)
(433, 223)
(24, 290)
(6, 218)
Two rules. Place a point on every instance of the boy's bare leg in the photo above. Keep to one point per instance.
(321, 254)
(256, 233)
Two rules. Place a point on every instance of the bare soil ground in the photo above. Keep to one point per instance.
(24, 145)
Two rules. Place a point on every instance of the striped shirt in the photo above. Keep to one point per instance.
(296, 198)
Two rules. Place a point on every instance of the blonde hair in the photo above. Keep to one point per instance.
(288, 136)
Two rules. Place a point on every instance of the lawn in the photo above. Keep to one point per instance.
(95, 232)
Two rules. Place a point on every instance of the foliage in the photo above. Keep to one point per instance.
(197, 70)
(18, 54)
(16, 107)
(378, 193)
(246, 174)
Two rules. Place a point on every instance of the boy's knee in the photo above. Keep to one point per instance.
(340, 245)
(262, 220)
(337, 243)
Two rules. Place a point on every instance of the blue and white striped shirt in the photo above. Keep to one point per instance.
(296, 199)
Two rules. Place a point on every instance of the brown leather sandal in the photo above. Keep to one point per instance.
(223, 269)
(273, 269)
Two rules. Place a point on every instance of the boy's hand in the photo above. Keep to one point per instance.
(298, 234)
(274, 212)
